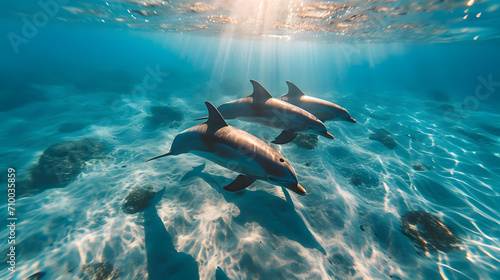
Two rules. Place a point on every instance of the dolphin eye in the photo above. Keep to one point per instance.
(309, 127)
(282, 160)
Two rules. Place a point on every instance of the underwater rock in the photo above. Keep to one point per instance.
(62, 162)
(383, 136)
(429, 232)
(72, 127)
(420, 166)
(36, 276)
(366, 183)
(306, 141)
(138, 199)
(361, 177)
(356, 180)
(165, 115)
(99, 271)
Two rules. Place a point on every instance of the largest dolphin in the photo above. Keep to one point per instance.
(322, 109)
(237, 150)
(260, 107)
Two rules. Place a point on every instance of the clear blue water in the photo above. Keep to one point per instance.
(423, 73)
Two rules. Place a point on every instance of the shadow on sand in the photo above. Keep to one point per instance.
(164, 262)
(276, 215)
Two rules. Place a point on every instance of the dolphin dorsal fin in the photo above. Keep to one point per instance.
(293, 90)
(260, 95)
(215, 119)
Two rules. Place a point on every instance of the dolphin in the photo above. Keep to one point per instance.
(322, 109)
(237, 150)
(260, 107)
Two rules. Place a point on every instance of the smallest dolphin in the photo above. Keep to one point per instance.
(322, 109)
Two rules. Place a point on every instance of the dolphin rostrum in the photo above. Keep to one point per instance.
(322, 109)
(237, 150)
(260, 107)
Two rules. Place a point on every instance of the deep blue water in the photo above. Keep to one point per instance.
(429, 92)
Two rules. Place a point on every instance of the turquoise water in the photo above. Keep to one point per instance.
(410, 191)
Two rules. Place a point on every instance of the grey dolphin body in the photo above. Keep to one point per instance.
(322, 109)
(260, 107)
(237, 150)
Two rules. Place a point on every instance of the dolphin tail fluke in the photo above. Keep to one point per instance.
(160, 156)
(241, 182)
(286, 136)
(202, 118)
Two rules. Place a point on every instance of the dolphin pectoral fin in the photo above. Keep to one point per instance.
(241, 182)
(286, 136)
(160, 156)
(202, 118)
